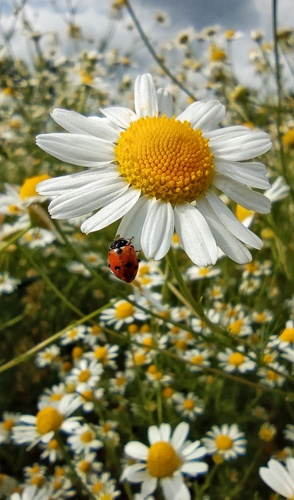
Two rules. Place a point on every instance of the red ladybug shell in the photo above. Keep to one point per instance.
(123, 260)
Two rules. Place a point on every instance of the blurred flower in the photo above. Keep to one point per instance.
(8, 284)
(235, 360)
(150, 170)
(165, 461)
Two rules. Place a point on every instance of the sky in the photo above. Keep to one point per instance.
(93, 17)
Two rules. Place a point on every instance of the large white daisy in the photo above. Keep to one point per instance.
(160, 174)
(165, 461)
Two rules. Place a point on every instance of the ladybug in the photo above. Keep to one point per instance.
(123, 260)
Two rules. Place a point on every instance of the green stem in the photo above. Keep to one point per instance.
(196, 306)
(67, 459)
(153, 53)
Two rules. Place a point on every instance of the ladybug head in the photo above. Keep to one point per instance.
(119, 243)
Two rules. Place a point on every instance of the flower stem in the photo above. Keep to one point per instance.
(153, 52)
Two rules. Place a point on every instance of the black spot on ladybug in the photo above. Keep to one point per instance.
(117, 267)
(129, 265)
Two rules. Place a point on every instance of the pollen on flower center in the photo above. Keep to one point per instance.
(223, 442)
(48, 419)
(166, 159)
(162, 460)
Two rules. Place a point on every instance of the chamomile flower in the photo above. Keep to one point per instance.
(236, 360)
(158, 174)
(9, 420)
(226, 441)
(200, 273)
(278, 477)
(197, 359)
(49, 419)
(165, 461)
(7, 283)
(32, 493)
(122, 313)
(84, 439)
(189, 406)
(85, 375)
(104, 354)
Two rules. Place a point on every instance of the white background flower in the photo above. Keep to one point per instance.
(167, 459)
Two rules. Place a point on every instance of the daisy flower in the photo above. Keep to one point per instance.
(49, 419)
(122, 313)
(289, 432)
(8, 284)
(189, 406)
(235, 360)
(158, 173)
(85, 375)
(9, 420)
(165, 461)
(32, 493)
(278, 477)
(226, 441)
(84, 439)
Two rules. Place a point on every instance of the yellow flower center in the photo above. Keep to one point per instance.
(8, 424)
(97, 487)
(139, 359)
(167, 392)
(87, 436)
(242, 213)
(197, 359)
(29, 186)
(236, 326)
(223, 442)
(47, 420)
(287, 335)
(84, 375)
(77, 352)
(124, 310)
(162, 460)
(14, 210)
(100, 353)
(53, 444)
(236, 359)
(85, 466)
(189, 404)
(166, 159)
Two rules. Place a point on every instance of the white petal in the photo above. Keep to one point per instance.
(238, 143)
(134, 473)
(232, 247)
(78, 124)
(86, 199)
(231, 222)
(158, 230)
(195, 235)
(110, 213)
(179, 435)
(165, 432)
(174, 488)
(194, 468)
(204, 115)
(277, 478)
(145, 96)
(148, 486)
(77, 149)
(154, 434)
(65, 183)
(132, 223)
(252, 174)
(242, 195)
(120, 116)
(137, 450)
(193, 450)
(165, 103)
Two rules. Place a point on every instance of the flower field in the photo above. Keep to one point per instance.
(146, 264)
